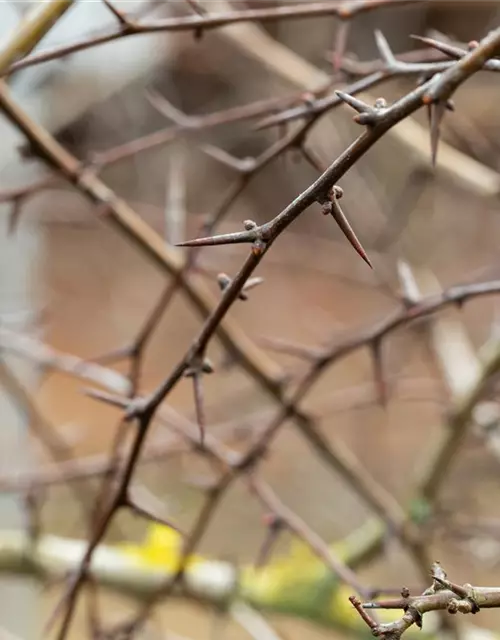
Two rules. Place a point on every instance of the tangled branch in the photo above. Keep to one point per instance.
(442, 77)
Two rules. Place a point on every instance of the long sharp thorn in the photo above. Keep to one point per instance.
(428, 109)
(447, 49)
(384, 48)
(228, 238)
(108, 398)
(347, 230)
(437, 112)
(253, 282)
(355, 103)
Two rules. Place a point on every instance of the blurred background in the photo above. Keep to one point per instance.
(72, 282)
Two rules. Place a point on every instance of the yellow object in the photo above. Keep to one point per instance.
(162, 548)
(298, 584)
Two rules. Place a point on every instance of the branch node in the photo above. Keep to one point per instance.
(452, 606)
(415, 615)
(138, 408)
(198, 367)
(259, 247)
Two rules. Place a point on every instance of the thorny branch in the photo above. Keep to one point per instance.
(443, 595)
(443, 77)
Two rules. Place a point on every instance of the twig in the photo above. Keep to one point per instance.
(210, 21)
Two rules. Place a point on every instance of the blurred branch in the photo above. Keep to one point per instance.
(468, 378)
(52, 440)
(48, 358)
(116, 212)
(31, 29)
(252, 622)
(216, 582)
(205, 22)
(123, 568)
